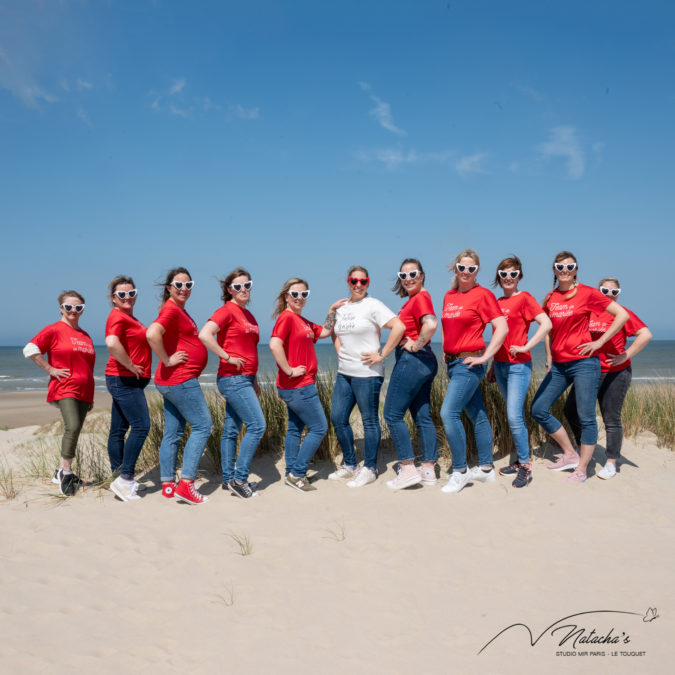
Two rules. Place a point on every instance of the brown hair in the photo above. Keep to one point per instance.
(225, 283)
(171, 275)
(119, 280)
(75, 294)
(281, 298)
(466, 253)
(357, 268)
(560, 257)
(602, 282)
(398, 286)
(513, 261)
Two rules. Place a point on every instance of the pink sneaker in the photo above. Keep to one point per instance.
(564, 463)
(576, 477)
(186, 492)
(404, 479)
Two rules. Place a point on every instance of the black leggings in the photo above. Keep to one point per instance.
(611, 395)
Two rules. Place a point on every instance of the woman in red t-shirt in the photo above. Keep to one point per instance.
(127, 374)
(174, 338)
(70, 364)
(615, 375)
(292, 345)
(467, 309)
(411, 379)
(512, 364)
(232, 335)
(571, 359)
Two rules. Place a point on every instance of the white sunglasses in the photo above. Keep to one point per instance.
(412, 274)
(70, 308)
(505, 275)
(299, 294)
(246, 286)
(123, 294)
(570, 267)
(610, 291)
(468, 268)
(178, 285)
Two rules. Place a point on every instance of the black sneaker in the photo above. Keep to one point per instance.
(69, 484)
(510, 470)
(58, 475)
(252, 484)
(242, 490)
(524, 477)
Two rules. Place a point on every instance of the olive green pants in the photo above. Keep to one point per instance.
(73, 413)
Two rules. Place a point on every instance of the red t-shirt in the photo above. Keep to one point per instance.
(69, 348)
(617, 345)
(131, 333)
(412, 312)
(238, 336)
(298, 335)
(519, 310)
(464, 318)
(180, 334)
(571, 320)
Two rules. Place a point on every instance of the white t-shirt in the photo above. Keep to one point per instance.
(357, 325)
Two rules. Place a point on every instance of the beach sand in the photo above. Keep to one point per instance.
(341, 580)
(20, 409)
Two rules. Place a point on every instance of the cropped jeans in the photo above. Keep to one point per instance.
(364, 392)
(410, 389)
(304, 410)
(129, 410)
(585, 375)
(242, 407)
(183, 403)
(463, 393)
(513, 380)
(612, 391)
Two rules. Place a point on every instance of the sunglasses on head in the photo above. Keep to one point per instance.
(178, 285)
(299, 294)
(122, 295)
(570, 267)
(503, 274)
(72, 308)
(610, 291)
(246, 286)
(413, 274)
(355, 281)
(466, 268)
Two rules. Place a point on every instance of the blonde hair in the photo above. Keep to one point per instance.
(281, 298)
(559, 258)
(466, 253)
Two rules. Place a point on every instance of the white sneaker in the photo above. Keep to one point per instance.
(363, 476)
(457, 481)
(477, 474)
(400, 483)
(608, 471)
(126, 491)
(342, 472)
(428, 477)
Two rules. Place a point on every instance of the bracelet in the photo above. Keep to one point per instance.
(228, 358)
(379, 351)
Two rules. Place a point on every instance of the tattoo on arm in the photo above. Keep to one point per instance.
(419, 343)
(330, 321)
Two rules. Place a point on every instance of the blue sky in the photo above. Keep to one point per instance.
(298, 138)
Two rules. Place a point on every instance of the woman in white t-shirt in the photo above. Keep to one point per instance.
(358, 324)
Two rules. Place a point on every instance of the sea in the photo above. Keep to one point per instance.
(655, 363)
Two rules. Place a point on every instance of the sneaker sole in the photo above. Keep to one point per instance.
(529, 480)
(296, 487)
(114, 489)
(186, 500)
(606, 477)
(413, 480)
(567, 467)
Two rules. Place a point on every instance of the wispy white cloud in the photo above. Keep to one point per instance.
(471, 164)
(533, 93)
(563, 143)
(381, 113)
(82, 115)
(83, 85)
(395, 157)
(245, 113)
(177, 86)
(180, 112)
(21, 84)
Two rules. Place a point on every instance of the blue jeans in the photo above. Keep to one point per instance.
(463, 393)
(584, 374)
(410, 388)
(364, 392)
(183, 403)
(304, 409)
(129, 409)
(242, 407)
(513, 380)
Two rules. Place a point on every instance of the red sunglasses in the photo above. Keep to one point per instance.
(355, 281)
